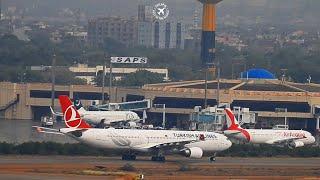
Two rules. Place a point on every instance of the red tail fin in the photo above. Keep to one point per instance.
(71, 116)
(231, 120)
(234, 125)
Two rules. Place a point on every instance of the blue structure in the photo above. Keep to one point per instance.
(257, 74)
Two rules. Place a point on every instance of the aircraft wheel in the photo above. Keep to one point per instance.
(133, 157)
(124, 157)
(153, 158)
(158, 158)
(162, 159)
(129, 157)
(212, 159)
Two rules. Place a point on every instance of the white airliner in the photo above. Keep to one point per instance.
(129, 142)
(103, 117)
(292, 138)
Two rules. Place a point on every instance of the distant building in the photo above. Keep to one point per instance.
(143, 31)
(168, 34)
(117, 28)
(83, 71)
(0, 9)
(193, 39)
(89, 73)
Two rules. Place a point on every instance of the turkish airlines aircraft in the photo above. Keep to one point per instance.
(191, 144)
(292, 138)
(103, 117)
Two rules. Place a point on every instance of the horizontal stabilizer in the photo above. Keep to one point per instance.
(231, 132)
(40, 129)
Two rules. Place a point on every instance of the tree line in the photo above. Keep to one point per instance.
(16, 55)
(243, 150)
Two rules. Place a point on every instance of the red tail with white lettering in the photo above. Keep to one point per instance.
(71, 116)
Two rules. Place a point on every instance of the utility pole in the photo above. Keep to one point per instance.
(164, 116)
(110, 81)
(218, 83)
(103, 82)
(53, 79)
(206, 89)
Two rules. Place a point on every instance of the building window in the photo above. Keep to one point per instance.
(46, 94)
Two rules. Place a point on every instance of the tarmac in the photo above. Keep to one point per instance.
(176, 167)
(20, 131)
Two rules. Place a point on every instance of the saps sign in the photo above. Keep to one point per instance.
(129, 60)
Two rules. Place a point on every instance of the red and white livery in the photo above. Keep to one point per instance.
(292, 138)
(193, 144)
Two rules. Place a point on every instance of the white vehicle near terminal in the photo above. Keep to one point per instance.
(47, 121)
(105, 118)
(192, 144)
(292, 138)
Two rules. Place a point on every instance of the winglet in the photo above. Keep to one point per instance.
(71, 116)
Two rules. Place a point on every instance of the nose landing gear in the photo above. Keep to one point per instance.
(213, 158)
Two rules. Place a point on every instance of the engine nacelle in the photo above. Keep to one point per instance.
(132, 124)
(193, 152)
(296, 144)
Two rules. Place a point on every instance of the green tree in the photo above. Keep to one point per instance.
(140, 78)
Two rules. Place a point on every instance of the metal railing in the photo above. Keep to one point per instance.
(10, 103)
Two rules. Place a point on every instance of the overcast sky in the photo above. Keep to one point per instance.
(273, 9)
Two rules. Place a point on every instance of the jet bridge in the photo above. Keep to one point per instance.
(124, 106)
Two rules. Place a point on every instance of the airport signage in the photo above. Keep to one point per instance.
(129, 60)
(161, 11)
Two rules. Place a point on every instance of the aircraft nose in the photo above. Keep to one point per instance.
(312, 139)
(228, 144)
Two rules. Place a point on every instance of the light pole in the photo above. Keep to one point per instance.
(218, 83)
(110, 81)
(163, 113)
(206, 88)
(103, 82)
(53, 80)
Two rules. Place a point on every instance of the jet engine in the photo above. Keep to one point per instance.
(193, 152)
(296, 144)
(132, 124)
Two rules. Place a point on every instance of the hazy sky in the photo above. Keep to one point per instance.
(272, 9)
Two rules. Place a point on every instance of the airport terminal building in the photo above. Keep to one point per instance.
(299, 103)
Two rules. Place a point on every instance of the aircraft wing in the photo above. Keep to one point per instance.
(56, 113)
(64, 131)
(284, 140)
(47, 130)
(167, 145)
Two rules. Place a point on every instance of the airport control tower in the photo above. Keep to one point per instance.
(208, 46)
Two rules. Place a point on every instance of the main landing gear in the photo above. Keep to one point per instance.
(129, 157)
(158, 158)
